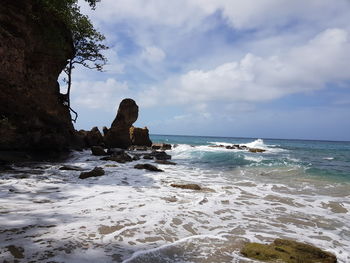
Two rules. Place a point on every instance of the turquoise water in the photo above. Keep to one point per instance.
(325, 159)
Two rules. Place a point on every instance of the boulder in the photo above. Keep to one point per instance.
(98, 151)
(161, 146)
(140, 136)
(160, 155)
(115, 151)
(118, 135)
(288, 251)
(97, 171)
(148, 167)
(187, 186)
(120, 158)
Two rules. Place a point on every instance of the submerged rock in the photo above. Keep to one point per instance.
(165, 162)
(71, 168)
(148, 167)
(187, 186)
(97, 171)
(287, 251)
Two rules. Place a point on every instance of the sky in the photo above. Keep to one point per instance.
(261, 69)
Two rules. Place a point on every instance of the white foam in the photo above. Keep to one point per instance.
(130, 212)
(328, 158)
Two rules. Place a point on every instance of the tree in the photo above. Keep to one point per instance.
(87, 41)
(88, 44)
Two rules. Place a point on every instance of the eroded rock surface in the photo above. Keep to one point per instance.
(118, 135)
(34, 48)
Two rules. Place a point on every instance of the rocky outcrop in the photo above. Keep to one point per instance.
(140, 136)
(34, 48)
(90, 138)
(122, 134)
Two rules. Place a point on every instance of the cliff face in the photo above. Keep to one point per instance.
(34, 48)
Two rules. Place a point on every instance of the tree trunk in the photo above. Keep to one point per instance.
(69, 83)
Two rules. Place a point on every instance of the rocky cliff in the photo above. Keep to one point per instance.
(34, 48)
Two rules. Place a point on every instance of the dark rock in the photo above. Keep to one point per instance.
(118, 135)
(203, 201)
(34, 48)
(104, 130)
(136, 157)
(120, 158)
(187, 186)
(140, 136)
(148, 157)
(161, 155)
(115, 151)
(97, 171)
(94, 137)
(165, 162)
(16, 252)
(98, 151)
(148, 167)
(161, 146)
(71, 168)
(288, 251)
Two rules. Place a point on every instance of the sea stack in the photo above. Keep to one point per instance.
(122, 134)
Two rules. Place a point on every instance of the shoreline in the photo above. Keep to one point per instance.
(129, 210)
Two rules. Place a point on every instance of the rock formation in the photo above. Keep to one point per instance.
(122, 134)
(118, 135)
(140, 137)
(34, 48)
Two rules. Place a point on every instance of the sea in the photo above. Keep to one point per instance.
(295, 189)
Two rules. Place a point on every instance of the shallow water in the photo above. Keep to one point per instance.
(131, 215)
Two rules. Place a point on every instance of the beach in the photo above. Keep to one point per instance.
(296, 190)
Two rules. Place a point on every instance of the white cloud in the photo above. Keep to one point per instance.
(152, 54)
(239, 14)
(104, 95)
(305, 68)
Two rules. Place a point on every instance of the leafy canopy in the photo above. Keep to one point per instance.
(87, 41)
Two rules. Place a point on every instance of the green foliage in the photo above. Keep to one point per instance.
(87, 41)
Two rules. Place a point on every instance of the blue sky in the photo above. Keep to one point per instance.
(266, 69)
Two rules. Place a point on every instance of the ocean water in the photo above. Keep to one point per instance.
(296, 189)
